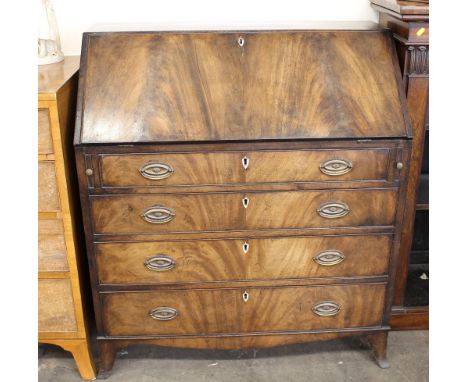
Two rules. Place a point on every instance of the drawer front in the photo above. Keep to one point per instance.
(243, 310)
(252, 259)
(45, 145)
(56, 310)
(52, 249)
(135, 214)
(48, 191)
(219, 168)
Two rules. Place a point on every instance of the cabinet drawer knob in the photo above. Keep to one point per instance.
(156, 171)
(333, 210)
(160, 263)
(326, 308)
(336, 167)
(158, 215)
(329, 258)
(163, 313)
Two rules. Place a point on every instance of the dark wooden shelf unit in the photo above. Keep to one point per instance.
(409, 22)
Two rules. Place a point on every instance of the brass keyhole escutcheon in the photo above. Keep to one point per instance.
(245, 296)
(245, 202)
(245, 162)
(245, 247)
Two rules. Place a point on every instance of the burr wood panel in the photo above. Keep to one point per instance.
(52, 249)
(230, 311)
(241, 211)
(239, 86)
(47, 189)
(239, 259)
(244, 167)
(56, 307)
(45, 145)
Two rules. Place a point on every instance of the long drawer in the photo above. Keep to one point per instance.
(146, 170)
(135, 214)
(251, 259)
(242, 310)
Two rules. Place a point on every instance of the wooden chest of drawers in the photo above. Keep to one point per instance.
(241, 189)
(62, 318)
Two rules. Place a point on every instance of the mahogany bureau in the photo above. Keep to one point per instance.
(241, 189)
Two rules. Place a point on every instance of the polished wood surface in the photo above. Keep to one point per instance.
(244, 167)
(51, 78)
(265, 210)
(405, 10)
(410, 26)
(206, 197)
(225, 311)
(61, 306)
(215, 87)
(249, 259)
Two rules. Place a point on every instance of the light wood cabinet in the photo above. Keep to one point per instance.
(62, 318)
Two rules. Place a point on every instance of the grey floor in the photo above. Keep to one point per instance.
(340, 360)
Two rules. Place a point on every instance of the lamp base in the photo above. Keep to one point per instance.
(50, 58)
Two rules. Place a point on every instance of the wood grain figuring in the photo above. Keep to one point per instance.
(229, 260)
(56, 308)
(208, 212)
(227, 167)
(48, 190)
(52, 249)
(206, 204)
(225, 311)
(45, 145)
(206, 87)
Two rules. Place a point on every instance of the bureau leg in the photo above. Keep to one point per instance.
(378, 343)
(107, 350)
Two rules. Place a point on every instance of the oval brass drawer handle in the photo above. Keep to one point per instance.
(163, 313)
(326, 308)
(158, 215)
(156, 171)
(336, 167)
(160, 263)
(333, 210)
(329, 258)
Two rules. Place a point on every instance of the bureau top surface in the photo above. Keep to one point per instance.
(239, 86)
